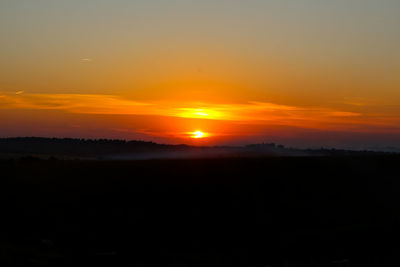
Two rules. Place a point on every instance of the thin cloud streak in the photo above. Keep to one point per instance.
(250, 112)
(86, 60)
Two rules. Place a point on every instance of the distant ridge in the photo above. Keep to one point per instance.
(78, 146)
(126, 150)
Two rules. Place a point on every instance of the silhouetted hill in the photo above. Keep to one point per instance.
(128, 150)
(78, 147)
(258, 205)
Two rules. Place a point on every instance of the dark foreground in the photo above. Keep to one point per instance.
(310, 211)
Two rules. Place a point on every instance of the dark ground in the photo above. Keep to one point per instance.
(305, 211)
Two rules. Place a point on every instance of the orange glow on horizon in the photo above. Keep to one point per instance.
(175, 121)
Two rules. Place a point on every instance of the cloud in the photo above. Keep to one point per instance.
(75, 103)
(344, 114)
(252, 112)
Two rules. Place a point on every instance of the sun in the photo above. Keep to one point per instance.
(198, 134)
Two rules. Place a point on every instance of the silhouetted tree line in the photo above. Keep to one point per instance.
(78, 146)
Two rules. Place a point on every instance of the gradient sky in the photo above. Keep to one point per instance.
(300, 72)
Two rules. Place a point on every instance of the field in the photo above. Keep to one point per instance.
(273, 211)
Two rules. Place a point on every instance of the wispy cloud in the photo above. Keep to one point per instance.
(75, 103)
(86, 60)
(250, 112)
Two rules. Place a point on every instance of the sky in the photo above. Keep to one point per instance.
(300, 72)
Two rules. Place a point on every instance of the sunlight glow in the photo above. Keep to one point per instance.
(198, 134)
(201, 113)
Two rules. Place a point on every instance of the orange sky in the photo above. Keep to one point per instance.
(172, 121)
(302, 72)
